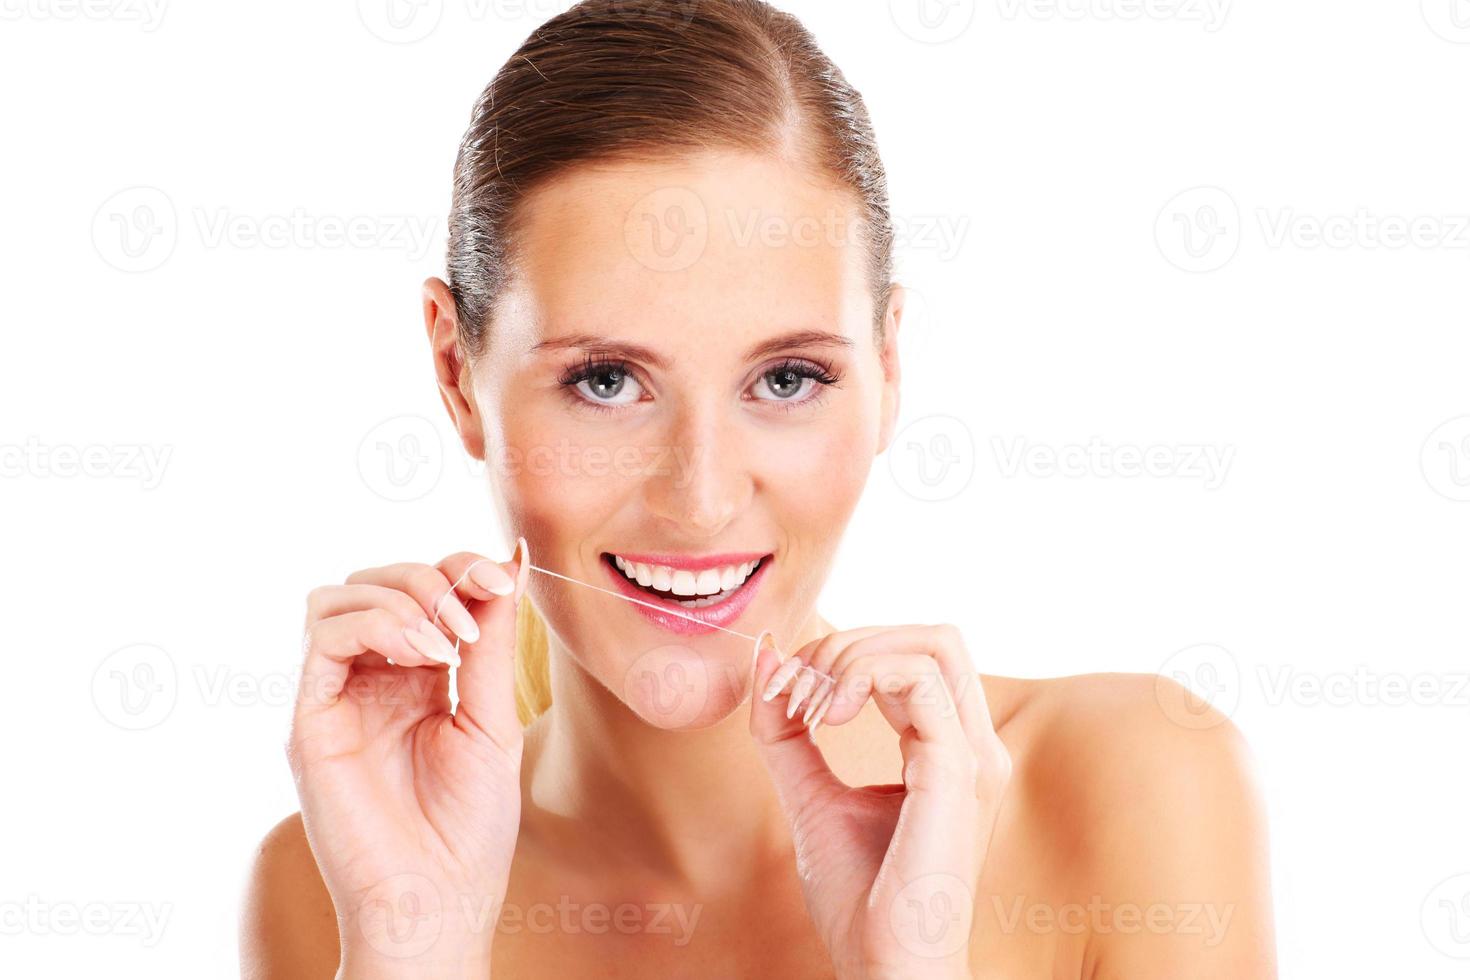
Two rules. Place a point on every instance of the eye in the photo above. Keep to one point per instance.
(793, 381)
(603, 383)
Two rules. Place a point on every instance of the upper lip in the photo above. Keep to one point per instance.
(692, 563)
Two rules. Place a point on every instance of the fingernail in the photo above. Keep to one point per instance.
(522, 556)
(823, 691)
(762, 639)
(492, 578)
(426, 639)
(779, 679)
(821, 712)
(803, 687)
(458, 618)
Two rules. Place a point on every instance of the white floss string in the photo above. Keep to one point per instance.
(616, 595)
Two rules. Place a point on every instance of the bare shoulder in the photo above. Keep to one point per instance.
(1152, 797)
(288, 927)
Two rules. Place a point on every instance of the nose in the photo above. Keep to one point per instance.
(705, 480)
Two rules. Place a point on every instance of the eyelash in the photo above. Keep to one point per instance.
(591, 367)
(820, 372)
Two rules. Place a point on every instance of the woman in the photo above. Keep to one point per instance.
(670, 327)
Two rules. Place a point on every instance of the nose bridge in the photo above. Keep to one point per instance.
(704, 484)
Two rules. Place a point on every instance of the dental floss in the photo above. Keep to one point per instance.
(616, 595)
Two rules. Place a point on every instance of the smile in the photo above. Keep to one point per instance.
(713, 589)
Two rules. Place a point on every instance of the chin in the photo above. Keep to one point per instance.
(675, 687)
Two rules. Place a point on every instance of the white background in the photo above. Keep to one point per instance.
(1075, 287)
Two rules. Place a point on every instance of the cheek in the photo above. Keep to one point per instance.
(822, 472)
(555, 481)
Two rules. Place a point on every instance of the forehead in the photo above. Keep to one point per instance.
(713, 246)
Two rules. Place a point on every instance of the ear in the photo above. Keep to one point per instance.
(897, 295)
(451, 369)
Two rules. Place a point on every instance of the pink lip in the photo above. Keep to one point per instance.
(709, 617)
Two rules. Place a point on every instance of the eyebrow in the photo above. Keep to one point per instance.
(799, 338)
(603, 347)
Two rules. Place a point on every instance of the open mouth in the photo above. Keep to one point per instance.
(689, 595)
(688, 588)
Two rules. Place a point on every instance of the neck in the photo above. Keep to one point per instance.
(689, 806)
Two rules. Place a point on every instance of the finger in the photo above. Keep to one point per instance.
(945, 645)
(332, 645)
(819, 655)
(428, 586)
(798, 770)
(487, 697)
(477, 577)
(910, 691)
(334, 600)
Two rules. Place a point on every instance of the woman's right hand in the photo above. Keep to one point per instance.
(412, 811)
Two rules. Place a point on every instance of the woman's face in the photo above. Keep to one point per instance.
(682, 381)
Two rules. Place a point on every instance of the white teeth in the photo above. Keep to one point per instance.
(683, 583)
(708, 583)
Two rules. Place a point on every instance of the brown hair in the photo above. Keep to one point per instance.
(639, 79)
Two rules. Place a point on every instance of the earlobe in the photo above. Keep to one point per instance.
(450, 369)
(889, 358)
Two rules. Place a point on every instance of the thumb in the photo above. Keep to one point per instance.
(486, 676)
(796, 765)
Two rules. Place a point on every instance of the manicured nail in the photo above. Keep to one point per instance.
(781, 678)
(426, 639)
(458, 618)
(492, 578)
(821, 712)
(522, 556)
(824, 689)
(763, 639)
(804, 685)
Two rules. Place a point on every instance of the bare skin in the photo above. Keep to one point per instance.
(1097, 827)
(1085, 817)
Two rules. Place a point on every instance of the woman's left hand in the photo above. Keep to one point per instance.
(889, 873)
